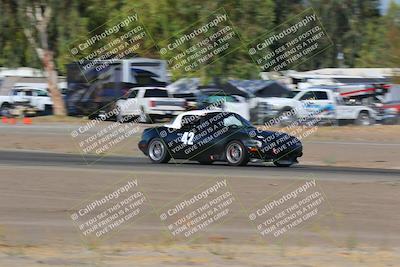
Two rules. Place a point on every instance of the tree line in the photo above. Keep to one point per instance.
(39, 33)
(359, 30)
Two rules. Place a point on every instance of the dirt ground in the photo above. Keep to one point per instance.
(360, 228)
(218, 255)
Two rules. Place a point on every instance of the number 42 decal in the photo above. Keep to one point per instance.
(187, 138)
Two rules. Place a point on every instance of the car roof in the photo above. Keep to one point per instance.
(147, 87)
(23, 88)
(176, 124)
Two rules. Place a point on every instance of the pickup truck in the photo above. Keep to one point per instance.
(327, 104)
(38, 100)
(149, 103)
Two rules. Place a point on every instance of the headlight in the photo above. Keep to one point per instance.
(253, 143)
(272, 106)
(257, 143)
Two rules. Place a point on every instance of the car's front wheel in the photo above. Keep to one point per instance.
(119, 118)
(236, 154)
(157, 151)
(5, 109)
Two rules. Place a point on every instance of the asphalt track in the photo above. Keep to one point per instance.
(39, 189)
(32, 158)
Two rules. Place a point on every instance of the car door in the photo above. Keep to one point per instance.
(128, 104)
(217, 128)
(182, 143)
(344, 112)
(16, 95)
(318, 102)
(40, 99)
(28, 97)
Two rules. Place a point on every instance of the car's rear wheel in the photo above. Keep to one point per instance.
(364, 119)
(157, 151)
(236, 154)
(143, 117)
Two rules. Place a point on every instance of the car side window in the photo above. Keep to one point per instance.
(156, 93)
(190, 121)
(41, 93)
(321, 95)
(133, 94)
(232, 121)
(308, 96)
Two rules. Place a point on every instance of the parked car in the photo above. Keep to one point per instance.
(149, 103)
(328, 105)
(38, 101)
(191, 99)
(391, 112)
(229, 103)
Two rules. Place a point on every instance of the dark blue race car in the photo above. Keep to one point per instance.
(207, 136)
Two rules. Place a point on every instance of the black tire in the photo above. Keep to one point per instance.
(160, 156)
(364, 119)
(143, 117)
(119, 118)
(241, 156)
(290, 118)
(285, 164)
(5, 109)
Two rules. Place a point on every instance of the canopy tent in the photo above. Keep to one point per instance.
(261, 88)
(244, 88)
(223, 89)
(184, 86)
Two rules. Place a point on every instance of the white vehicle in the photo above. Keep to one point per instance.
(238, 105)
(327, 104)
(149, 103)
(228, 103)
(266, 108)
(331, 106)
(37, 99)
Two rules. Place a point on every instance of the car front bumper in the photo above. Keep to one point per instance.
(274, 154)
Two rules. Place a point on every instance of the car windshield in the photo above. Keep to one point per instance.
(220, 99)
(236, 120)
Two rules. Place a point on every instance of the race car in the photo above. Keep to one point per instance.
(208, 136)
